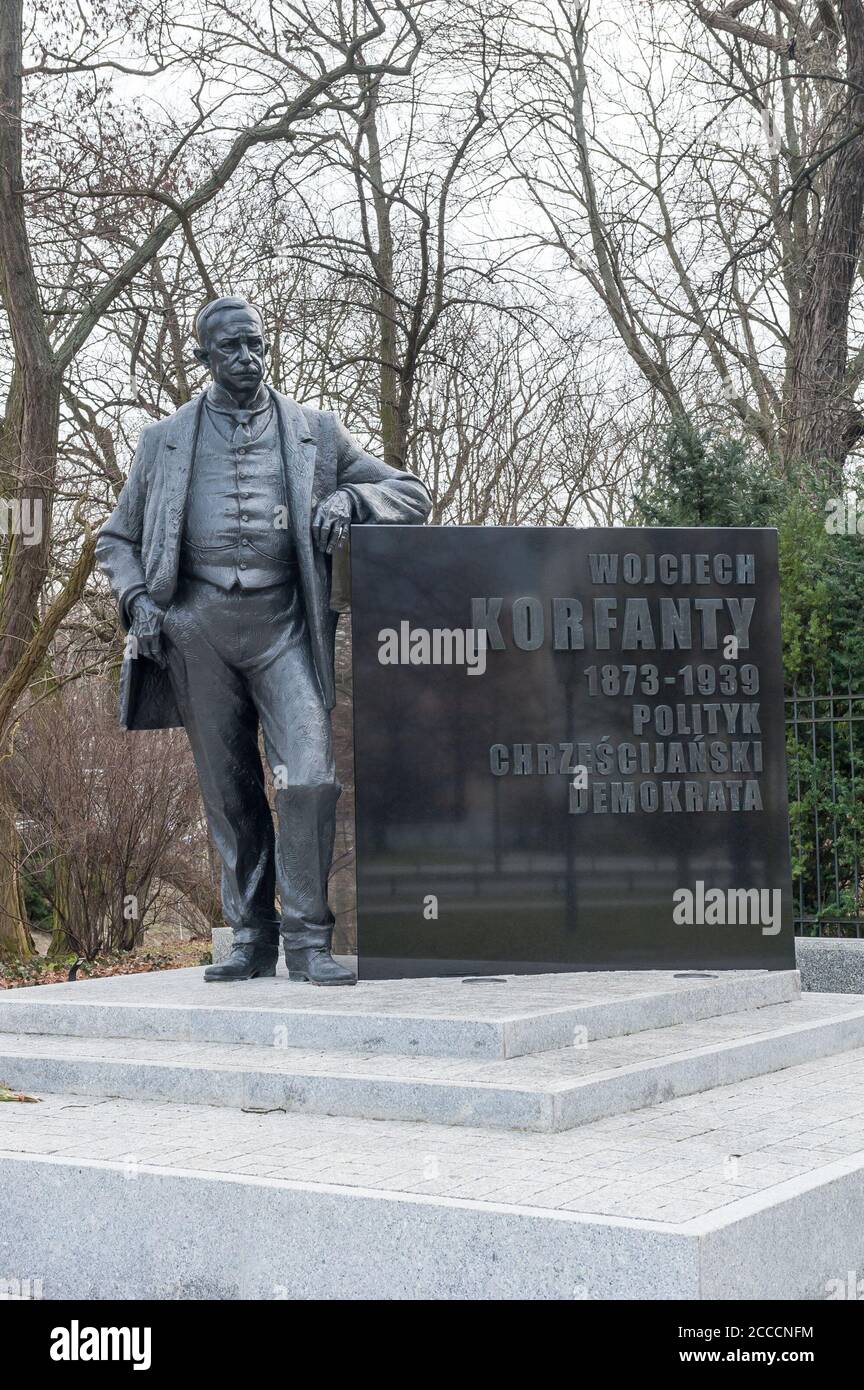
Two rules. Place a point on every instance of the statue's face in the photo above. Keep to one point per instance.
(236, 350)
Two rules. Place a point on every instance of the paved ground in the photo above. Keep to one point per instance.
(668, 1163)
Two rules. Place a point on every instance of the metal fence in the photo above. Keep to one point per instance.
(825, 754)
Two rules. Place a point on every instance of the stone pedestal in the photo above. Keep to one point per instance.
(625, 1135)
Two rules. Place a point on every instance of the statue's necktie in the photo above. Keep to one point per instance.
(242, 433)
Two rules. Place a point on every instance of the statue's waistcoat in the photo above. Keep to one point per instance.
(236, 528)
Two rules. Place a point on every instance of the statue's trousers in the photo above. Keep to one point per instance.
(239, 659)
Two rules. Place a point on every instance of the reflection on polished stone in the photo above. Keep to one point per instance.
(623, 741)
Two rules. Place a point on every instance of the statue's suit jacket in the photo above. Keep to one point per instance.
(139, 545)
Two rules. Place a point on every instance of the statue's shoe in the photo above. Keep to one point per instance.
(315, 964)
(246, 962)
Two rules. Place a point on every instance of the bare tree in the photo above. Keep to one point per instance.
(820, 44)
(389, 205)
(702, 177)
(254, 79)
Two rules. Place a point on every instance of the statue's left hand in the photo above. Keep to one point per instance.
(330, 522)
(146, 629)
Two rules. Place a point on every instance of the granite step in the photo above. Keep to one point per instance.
(485, 1018)
(548, 1091)
(751, 1191)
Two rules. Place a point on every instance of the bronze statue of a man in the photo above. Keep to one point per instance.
(219, 554)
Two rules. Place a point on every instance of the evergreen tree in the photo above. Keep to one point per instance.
(706, 480)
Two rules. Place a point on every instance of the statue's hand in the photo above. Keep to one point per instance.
(330, 522)
(146, 629)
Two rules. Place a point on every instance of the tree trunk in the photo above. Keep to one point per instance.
(825, 424)
(29, 439)
(60, 946)
(37, 381)
(16, 943)
(393, 432)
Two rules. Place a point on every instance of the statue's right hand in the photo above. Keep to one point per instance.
(146, 629)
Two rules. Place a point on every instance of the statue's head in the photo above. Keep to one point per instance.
(232, 344)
